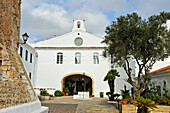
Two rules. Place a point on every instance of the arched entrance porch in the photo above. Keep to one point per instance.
(77, 82)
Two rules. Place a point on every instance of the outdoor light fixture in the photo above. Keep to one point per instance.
(25, 37)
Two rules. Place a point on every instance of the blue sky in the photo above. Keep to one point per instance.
(42, 19)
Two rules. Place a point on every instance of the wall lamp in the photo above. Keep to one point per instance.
(25, 38)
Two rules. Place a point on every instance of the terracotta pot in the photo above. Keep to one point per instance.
(157, 103)
(124, 101)
(101, 96)
(153, 102)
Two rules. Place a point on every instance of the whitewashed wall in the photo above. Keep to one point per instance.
(49, 74)
(30, 67)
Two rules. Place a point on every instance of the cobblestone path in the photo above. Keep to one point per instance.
(61, 108)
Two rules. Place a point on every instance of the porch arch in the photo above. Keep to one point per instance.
(73, 74)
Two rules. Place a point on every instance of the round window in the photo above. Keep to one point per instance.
(78, 41)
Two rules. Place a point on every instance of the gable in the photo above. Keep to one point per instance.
(68, 40)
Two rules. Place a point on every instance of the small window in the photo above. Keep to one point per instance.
(21, 49)
(59, 58)
(78, 58)
(26, 55)
(96, 58)
(78, 24)
(30, 75)
(30, 57)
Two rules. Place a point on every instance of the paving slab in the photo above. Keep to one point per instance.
(95, 105)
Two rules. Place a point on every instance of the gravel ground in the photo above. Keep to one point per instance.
(61, 108)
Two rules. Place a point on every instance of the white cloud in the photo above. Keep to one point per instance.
(96, 21)
(45, 18)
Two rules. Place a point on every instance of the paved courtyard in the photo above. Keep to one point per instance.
(66, 104)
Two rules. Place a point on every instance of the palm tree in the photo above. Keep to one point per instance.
(144, 105)
(110, 77)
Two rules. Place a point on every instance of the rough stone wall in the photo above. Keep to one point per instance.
(15, 86)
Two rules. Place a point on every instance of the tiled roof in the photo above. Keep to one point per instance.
(161, 70)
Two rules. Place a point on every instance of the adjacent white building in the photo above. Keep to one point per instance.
(29, 57)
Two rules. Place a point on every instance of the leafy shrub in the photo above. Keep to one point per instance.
(125, 93)
(75, 92)
(66, 90)
(58, 93)
(51, 95)
(44, 93)
(144, 104)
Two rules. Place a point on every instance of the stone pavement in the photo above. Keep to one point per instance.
(66, 104)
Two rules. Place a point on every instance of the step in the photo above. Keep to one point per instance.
(41, 110)
(102, 111)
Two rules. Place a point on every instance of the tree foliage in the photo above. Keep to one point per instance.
(110, 77)
(145, 41)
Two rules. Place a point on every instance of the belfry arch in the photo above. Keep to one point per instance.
(82, 82)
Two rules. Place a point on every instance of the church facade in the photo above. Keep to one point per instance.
(74, 61)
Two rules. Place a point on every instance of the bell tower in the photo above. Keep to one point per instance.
(78, 25)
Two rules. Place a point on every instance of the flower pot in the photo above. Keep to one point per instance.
(51, 98)
(124, 101)
(101, 96)
(153, 102)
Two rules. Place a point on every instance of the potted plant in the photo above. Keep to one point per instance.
(158, 100)
(57, 93)
(51, 97)
(144, 105)
(125, 100)
(44, 94)
(90, 91)
(75, 93)
(101, 94)
(67, 91)
(112, 96)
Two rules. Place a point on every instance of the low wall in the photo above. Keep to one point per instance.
(129, 108)
(32, 107)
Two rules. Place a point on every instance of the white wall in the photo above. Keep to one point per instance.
(30, 67)
(159, 81)
(49, 74)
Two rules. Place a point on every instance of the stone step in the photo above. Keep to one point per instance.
(41, 110)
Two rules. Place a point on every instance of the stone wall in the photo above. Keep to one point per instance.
(15, 86)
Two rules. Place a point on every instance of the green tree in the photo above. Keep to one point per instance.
(131, 37)
(110, 77)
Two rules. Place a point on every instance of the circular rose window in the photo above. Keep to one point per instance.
(78, 41)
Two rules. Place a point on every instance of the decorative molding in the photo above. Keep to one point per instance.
(70, 47)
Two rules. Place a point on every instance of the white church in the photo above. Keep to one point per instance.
(73, 60)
